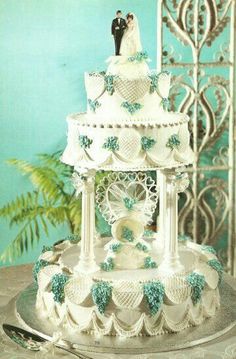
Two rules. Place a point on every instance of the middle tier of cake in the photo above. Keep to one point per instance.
(123, 146)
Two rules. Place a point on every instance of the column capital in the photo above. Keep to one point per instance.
(177, 178)
(83, 181)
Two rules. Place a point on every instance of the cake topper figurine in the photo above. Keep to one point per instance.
(117, 29)
(131, 43)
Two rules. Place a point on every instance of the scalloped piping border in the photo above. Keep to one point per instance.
(124, 124)
(143, 326)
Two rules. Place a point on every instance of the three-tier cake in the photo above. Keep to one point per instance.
(136, 282)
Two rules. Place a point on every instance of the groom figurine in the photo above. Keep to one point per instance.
(117, 29)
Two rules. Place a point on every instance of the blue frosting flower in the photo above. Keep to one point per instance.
(131, 107)
(197, 283)
(109, 83)
(127, 234)
(84, 141)
(173, 141)
(165, 103)
(108, 265)
(58, 283)
(154, 83)
(111, 144)
(115, 247)
(154, 293)
(93, 105)
(41, 263)
(208, 249)
(147, 143)
(149, 263)
(215, 264)
(148, 233)
(139, 57)
(129, 203)
(142, 247)
(101, 294)
(47, 249)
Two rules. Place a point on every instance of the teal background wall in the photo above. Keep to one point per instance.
(45, 48)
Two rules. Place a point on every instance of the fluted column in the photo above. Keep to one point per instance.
(172, 183)
(84, 183)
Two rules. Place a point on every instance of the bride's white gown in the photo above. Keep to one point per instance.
(130, 43)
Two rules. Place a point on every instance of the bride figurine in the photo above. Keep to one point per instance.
(130, 43)
(130, 46)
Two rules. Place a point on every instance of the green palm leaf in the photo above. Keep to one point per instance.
(50, 203)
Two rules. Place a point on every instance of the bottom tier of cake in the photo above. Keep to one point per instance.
(127, 303)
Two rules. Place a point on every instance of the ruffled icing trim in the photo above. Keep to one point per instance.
(144, 325)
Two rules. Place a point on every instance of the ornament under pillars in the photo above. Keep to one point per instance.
(84, 183)
(171, 184)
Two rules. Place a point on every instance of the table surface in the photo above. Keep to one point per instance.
(16, 278)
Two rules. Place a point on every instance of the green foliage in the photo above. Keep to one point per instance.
(51, 202)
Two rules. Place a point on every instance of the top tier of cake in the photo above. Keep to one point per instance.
(127, 125)
(129, 91)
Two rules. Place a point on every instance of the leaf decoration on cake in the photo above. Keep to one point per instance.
(101, 294)
(197, 283)
(154, 292)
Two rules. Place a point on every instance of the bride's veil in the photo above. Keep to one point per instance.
(137, 32)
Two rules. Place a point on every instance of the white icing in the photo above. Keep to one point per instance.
(127, 313)
(119, 65)
(98, 157)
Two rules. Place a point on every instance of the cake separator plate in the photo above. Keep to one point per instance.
(210, 329)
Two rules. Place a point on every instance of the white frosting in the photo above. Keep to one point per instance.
(132, 84)
(121, 66)
(130, 154)
(127, 313)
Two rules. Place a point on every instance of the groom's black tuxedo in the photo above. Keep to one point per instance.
(117, 29)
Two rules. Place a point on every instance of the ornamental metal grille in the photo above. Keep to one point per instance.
(195, 41)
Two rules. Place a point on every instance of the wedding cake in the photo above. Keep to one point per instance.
(135, 282)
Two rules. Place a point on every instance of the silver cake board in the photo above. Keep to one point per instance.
(210, 329)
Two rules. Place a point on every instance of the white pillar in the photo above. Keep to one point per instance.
(85, 183)
(171, 184)
(162, 208)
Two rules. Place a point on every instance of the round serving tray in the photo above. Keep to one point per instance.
(213, 328)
